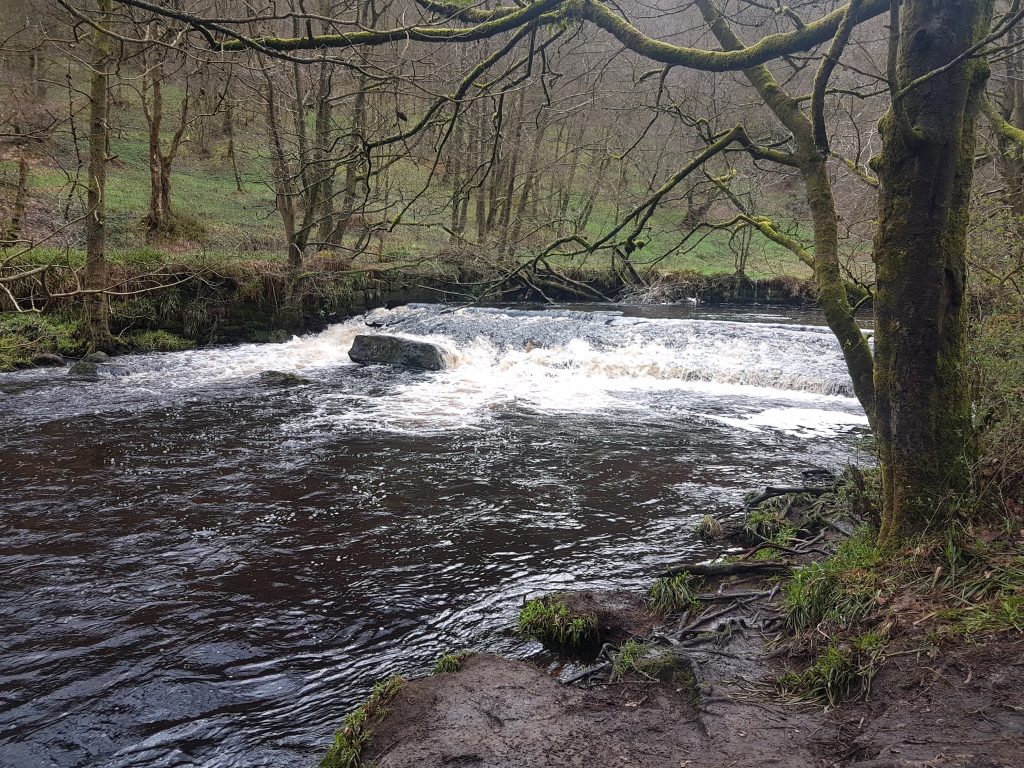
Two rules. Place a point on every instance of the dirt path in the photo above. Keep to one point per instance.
(964, 710)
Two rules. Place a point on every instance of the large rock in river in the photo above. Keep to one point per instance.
(396, 350)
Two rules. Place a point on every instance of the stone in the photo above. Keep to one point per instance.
(280, 378)
(84, 368)
(96, 357)
(47, 360)
(396, 350)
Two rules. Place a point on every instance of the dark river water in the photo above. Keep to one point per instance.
(201, 568)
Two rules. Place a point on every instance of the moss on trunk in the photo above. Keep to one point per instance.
(923, 424)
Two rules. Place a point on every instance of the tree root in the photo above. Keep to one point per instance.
(719, 570)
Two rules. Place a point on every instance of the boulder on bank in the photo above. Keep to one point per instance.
(396, 350)
(47, 360)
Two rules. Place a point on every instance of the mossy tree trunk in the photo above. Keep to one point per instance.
(923, 408)
(96, 309)
(159, 219)
(13, 230)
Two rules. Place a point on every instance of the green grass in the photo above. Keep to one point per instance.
(551, 622)
(767, 522)
(450, 662)
(157, 341)
(840, 590)
(23, 336)
(642, 662)
(840, 673)
(708, 253)
(347, 749)
(673, 594)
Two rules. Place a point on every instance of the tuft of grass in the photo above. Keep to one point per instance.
(347, 749)
(450, 662)
(987, 618)
(673, 594)
(840, 590)
(986, 589)
(766, 521)
(550, 621)
(784, 536)
(639, 661)
(842, 672)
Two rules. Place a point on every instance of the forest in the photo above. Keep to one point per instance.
(806, 223)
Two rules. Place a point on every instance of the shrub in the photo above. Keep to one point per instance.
(673, 594)
(550, 621)
(841, 589)
(450, 662)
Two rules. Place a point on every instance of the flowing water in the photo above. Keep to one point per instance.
(200, 567)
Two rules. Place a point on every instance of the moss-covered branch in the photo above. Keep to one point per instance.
(821, 77)
(764, 50)
(487, 23)
(1001, 126)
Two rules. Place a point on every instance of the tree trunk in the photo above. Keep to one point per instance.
(156, 220)
(353, 162)
(284, 199)
(923, 429)
(832, 294)
(229, 129)
(96, 310)
(13, 231)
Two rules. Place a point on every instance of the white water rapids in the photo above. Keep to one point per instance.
(546, 361)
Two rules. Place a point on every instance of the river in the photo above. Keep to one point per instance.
(201, 567)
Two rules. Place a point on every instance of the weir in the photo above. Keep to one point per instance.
(233, 559)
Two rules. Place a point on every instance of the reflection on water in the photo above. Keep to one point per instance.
(200, 568)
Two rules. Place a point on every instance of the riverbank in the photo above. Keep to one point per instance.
(206, 303)
(822, 656)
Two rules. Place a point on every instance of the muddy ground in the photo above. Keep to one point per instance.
(963, 708)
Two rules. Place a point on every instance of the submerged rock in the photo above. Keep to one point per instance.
(395, 350)
(280, 378)
(89, 369)
(84, 368)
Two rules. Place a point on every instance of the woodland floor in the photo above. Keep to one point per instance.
(964, 707)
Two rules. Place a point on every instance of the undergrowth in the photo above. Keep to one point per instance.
(550, 621)
(24, 336)
(673, 594)
(636, 661)
(848, 612)
(839, 590)
(450, 662)
(158, 341)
